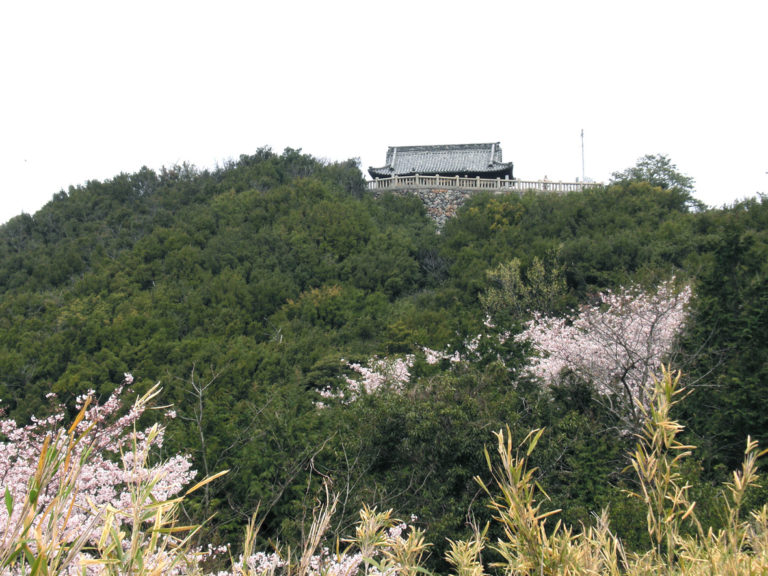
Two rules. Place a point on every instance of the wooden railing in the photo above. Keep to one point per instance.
(457, 182)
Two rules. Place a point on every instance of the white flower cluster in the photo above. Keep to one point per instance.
(326, 562)
(380, 374)
(618, 344)
(105, 470)
(435, 356)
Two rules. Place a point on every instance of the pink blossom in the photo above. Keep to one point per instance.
(432, 356)
(105, 475)
(377, 375)
(618, 344)
(328, 563)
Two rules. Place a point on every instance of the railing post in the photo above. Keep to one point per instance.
(422, 180)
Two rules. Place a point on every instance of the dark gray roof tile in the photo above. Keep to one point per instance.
(452, 159)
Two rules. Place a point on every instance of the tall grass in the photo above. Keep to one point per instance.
(44, 534)
(531, 547)
(145, 537)
(32, 541)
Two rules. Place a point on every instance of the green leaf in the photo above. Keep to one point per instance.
(8, 501)
(38, 566)
(534, 441)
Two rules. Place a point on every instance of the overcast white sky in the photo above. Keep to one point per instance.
(92, 89)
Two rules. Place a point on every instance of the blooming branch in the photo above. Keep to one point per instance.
(617, 344)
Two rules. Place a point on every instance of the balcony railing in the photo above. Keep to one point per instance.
(477, 183)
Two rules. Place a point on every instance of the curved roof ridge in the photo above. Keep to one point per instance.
(483, 159)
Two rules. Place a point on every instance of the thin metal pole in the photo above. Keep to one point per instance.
(582, 155)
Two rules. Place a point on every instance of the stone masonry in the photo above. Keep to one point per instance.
(441, 203)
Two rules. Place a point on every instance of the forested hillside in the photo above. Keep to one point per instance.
(265, 294)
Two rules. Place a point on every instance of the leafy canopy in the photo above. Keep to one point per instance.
(658, 170)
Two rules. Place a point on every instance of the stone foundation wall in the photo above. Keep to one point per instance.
(441, 203)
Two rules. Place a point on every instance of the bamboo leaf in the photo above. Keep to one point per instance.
(690, 509)
(206, 481)
(534, 441)
(80, 415)
(36, 565)
(173, 529)
(550, 513)
(8, 502)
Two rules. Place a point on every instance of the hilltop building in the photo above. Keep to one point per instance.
(463, 160)
(445, 177)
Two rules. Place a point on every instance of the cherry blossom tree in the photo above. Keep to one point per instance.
(379, 374)
(66, 486)
(85, 500)
(618, 344)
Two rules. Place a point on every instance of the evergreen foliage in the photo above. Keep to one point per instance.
(247, 290)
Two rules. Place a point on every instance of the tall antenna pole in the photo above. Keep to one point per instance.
(582, 155)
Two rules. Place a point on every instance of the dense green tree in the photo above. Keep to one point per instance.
(727, 342)
(657, 170)
(245, 290)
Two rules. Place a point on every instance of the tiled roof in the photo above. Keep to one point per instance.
(454, 159)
